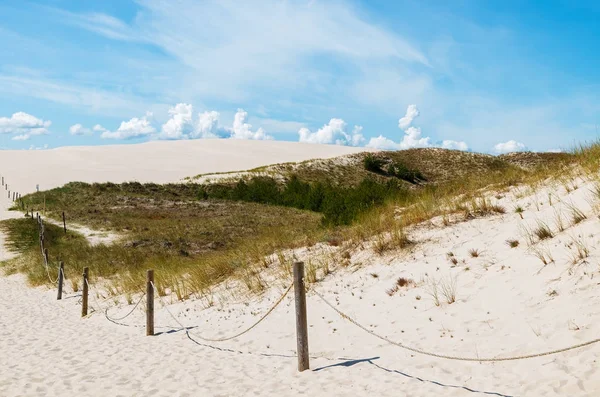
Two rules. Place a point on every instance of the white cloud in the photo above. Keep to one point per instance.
(32, 147)
(180, 124)
(509, 147)
(78, 129)
(243, 130)
(333, 133)
(22, 137)
(412, 137)
(290, 34)
(23, 124)
(208, 126)
(99, 128)
(455, 145)
(382, 142)
(411, 114)
(134, 128)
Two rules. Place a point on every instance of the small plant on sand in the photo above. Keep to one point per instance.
(577, 216)
(542, 231)
(474, 253)
(558, 221)
(519, 210)
(433, 290)
(580, 250)
(512, 243)
(405, 282)
(311, 272)
(448, 287)
(543, 254)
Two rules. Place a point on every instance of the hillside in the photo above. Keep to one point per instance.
(436, 165)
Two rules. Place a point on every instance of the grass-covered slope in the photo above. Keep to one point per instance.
(200, 232)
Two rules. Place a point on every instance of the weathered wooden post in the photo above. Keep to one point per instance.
(61, 275)
(46, 255)
(301, 322)
(150, 303)
(84, 293)
(64, 222)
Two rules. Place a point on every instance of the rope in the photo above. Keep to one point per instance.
(264, 316)
(448, 357)
(128, 314)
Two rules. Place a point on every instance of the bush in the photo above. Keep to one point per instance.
(373, 164)
(339, 205)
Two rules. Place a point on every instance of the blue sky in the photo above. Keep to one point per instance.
(488, 76)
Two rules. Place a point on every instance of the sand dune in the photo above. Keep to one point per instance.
(507, 303)
(158, 162)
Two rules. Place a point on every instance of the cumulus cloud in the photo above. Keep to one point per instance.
(180, 125)
(413, 136)
(335, 132)
(455, 145)
(23, 125)
(382, 142)
(243, 130)
(22, 137)
(78, 129)
(411, 114)
(509, 147)
(134, 128)
(208, 126)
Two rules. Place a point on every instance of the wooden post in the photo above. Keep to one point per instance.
(84, 293)
(46, 255)
(301, 323)
(64, 222)
(150, 303)
(61, 275)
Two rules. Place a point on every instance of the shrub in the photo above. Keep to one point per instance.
(373, 164)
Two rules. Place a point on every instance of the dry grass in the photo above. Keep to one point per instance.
(543, 231)
(512, 243)
(474, 253)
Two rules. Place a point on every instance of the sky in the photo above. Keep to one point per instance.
(485, 76)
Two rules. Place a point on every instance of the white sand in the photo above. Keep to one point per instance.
(158, 162)
(503, 308)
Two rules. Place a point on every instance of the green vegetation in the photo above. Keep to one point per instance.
(393, 169)
(339, 205)
(196, 235)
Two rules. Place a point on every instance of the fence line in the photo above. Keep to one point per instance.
(302, 355)
(449, 357)
(264, 316)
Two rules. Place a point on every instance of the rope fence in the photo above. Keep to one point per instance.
(298, 286)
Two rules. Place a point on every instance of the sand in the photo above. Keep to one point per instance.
(158, 162)
(507, 303)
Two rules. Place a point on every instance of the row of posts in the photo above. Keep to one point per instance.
(15, 196)
(299, 294)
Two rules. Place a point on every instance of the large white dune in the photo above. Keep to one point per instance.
(159, 161)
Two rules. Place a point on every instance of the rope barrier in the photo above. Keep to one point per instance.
(264, 316)
(448, 357)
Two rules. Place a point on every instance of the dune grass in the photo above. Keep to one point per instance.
(193, 242)
(186, 241)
